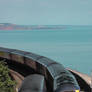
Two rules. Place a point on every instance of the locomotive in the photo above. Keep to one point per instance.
(57, 78)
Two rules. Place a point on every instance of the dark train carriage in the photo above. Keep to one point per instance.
(30, 60)
(56, 75)
(42, 63)
(61, 77)
(18, 56)
(5, 53)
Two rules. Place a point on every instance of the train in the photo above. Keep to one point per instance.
(57, 77)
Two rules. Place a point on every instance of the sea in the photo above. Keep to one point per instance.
(71, 46)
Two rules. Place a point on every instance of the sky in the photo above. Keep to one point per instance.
(46, 12)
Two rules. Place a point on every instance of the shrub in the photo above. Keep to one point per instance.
(6, 83)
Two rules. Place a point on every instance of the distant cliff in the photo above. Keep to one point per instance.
(9, 26)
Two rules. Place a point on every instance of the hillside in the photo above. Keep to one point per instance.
(9, 26)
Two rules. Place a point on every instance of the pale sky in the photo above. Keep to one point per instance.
(46, 12)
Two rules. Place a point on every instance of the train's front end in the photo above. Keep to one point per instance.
(72, 91)
(68, 88)
(77, 91)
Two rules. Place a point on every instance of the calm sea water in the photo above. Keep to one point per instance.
(71, 46)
